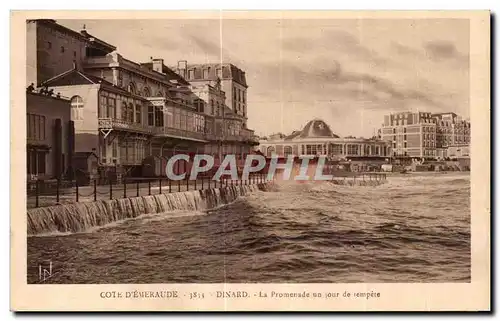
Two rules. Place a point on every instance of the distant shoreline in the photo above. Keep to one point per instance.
(444, 173)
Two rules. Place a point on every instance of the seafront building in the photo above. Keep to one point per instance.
(49, 135)
(317, 139)
(426, 135)
(126, 112)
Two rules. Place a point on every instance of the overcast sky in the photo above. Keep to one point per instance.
(347, 72)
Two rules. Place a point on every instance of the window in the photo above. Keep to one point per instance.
(212, 106)
(287, 150)
(74, 54)
(270, 151)
(49, 45)
(138, 114)
(111, 107)
(158, 117)
(219, 72)
(36, 162)
(124, 111)
(191, 74)
(76, 108)
(62, 49)
(151, 116)
(405, 145)
(404, 130)
(218, 109)
(206, 73)
(114, 149)
(404, 137)
(130, 114)
(35, 127)
(131, 88)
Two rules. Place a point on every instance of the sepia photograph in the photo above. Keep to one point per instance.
(243, 150)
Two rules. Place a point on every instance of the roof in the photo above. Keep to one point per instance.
(315, 128)
(96, 41)
(171, 75)
(229, 71)
(84, 154)
(76, 77)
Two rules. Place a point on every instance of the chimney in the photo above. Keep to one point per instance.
(158, 65)
(182, 68)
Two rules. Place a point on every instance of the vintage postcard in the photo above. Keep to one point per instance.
(250, 161)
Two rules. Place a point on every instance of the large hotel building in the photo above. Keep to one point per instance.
(426, 135)
(125, 111)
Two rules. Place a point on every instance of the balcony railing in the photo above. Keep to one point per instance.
(181, 133)
(113, 123)
(245, 135)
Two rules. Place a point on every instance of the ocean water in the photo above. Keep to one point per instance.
(414, 228)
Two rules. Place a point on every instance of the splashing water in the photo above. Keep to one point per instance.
(412, 229)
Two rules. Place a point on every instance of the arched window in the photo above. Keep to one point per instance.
(270, 150)
(131, 88)
(77, 108)
(287, 151)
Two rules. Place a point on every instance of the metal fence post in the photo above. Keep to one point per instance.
(169, 185)
(187, 184)
(110, 189)
(208, 183)
(77, 193)
(57, 190)
(195, 184)
(178, 185)
(202, 182)
(124, 189)
(149, 187)
(95, 190)
(159, 182)
(137, 188)
(37, 185)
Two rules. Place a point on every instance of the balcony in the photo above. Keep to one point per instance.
(180, 134)
(119, 124)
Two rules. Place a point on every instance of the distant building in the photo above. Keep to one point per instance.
(50, 136)
(316, 138)
(452, 136)
(424, 135)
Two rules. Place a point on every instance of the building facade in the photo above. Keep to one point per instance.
(232, 79)
(49, 134)
(424, 135)
(126, 111)
(316, 139)
(452, 136)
